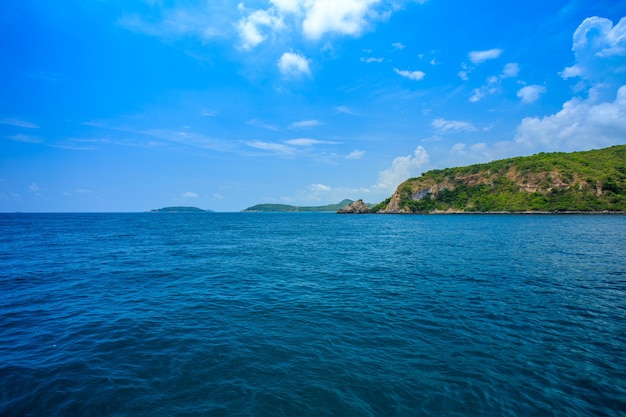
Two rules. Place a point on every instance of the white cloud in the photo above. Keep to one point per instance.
(403, 168)
(459, 147)
(19, 123)
(189, 194)
(345, 110)
(600, 52)
(254, 28)
(218, 196)
(355, 155)
(34, 187)
(293, 65)
(494, 82)
(398, 45)
(411, 75)
(510, 70)
(272, 147)
(478, 57)
(320, 188)
(308, 142)
(346, 17)
(370, 60)
(442, 126)
(479, 93)
(303, 124)
(314, 18)
(530, 93)
(594, 122)
(580, 124)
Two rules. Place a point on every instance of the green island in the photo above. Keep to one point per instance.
(590, 181)
(180, 210)
(286, 208)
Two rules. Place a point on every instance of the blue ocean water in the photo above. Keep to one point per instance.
(312, 314)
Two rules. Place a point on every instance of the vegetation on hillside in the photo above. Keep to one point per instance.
(579, 181)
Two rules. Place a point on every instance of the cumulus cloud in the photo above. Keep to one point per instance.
(347, 17)
(411, 75)
(530, 93)
(314, 18)
(478, 57)
(293, 65)
(600, 119)
(597, 121)
(254, 28)
(599, 49)
(403, 168)
(442, 126)
(580, 124)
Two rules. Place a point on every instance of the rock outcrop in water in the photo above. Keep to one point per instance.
(358, 207)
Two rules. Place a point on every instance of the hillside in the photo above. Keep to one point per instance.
(546, 182)
(269, 208)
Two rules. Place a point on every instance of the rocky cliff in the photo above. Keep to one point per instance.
(358, 207)
(579, 181)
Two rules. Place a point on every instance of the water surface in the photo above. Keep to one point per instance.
(312, 314)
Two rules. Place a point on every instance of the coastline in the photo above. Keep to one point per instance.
(572, 212)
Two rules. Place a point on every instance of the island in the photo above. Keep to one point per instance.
(180, 210)
(286, 208)
(578, 182)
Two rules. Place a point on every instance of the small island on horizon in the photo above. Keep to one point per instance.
(286, 208)
(180, 209)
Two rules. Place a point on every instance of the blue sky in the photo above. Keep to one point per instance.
(129, 105)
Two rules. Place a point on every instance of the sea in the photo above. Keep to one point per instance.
(312, 314)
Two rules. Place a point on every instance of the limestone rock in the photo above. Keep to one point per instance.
(358, 207)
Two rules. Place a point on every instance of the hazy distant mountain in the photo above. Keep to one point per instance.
(268, 208)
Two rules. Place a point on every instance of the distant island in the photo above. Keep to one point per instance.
(285, 208)
(180, 210)
(577, 182)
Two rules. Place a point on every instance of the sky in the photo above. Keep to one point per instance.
(132, 105)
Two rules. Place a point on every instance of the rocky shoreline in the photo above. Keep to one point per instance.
(359, 207)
